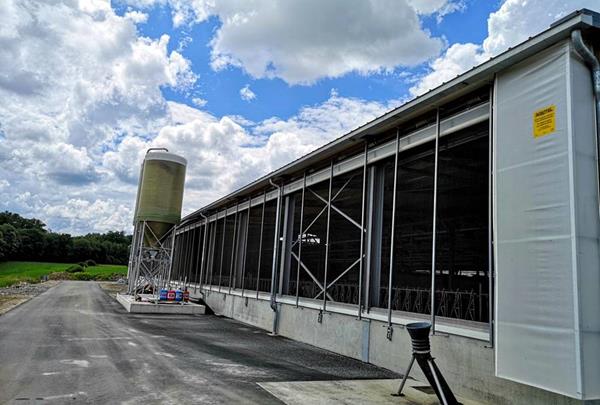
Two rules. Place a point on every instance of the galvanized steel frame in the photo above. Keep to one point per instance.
(434, 230)
(441, 128)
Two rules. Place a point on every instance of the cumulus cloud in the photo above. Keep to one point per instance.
(83, 93)
(199, 102)
(511, 24)
(247, 94)
(225, 154)
(302, 42)
(136, 16)
(75, 78)
(456, 60)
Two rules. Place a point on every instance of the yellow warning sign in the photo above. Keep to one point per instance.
(544, 121)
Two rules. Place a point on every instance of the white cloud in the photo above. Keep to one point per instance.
(440, 7)
(302, 42)
(246, 94)
(199, 102)
(75, 132)
(513, 23)
(225, 154)
(456, 60)
(136, 17)
(76, 78)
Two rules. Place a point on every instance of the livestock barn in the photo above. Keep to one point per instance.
(474, 207)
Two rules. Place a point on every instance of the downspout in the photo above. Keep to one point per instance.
(275, 254)
(590, 59)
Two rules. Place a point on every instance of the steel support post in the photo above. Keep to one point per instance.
(490, 220)
(392, 234)
(171, 254)
(276, 244)
(222, 249)
(182, 257)
(175, 254)
(192, 263)
(204, 254)
(362, 231)
(234, 246)
(301, 234)
(183, 266)
(246, 246)
(276, 247)
(283, 243)
(188, 256)
(139, 259)
(262, 227)
(327, 237)
(371, 217)
(211, 252)
(434, 230)
(198, 259)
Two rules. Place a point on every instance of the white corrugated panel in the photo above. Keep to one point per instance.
(540, 240)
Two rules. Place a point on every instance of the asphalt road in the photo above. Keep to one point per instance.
(75, 344)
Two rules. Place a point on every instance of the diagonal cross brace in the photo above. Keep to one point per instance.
(311, 276)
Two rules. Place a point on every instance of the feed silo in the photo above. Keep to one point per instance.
(157, 213)
(160, 194)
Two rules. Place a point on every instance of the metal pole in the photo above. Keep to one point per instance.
(491, 221)
(392, 234)
(234, 246)
(246, 246)
(204, 252)
(192, 262)
(276, 243)
(275, 246)
(183, 253)
(362, 232)
(405, 377)
(222, 249)
(189, 256)
(182, 257)
(262, 225)
(300, 241)
(213, 246)
(327, 237)
(171, 254)
(198, 259)
(434, 231)
(176, 257)
(210, 260)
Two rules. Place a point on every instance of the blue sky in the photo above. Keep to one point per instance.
(275, 97)
(238, 87)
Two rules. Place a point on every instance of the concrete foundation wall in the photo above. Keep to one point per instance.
(467, 364)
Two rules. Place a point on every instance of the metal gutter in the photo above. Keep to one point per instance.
(478, 76)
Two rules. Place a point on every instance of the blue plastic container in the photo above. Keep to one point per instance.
(163, 294)
(178, 295)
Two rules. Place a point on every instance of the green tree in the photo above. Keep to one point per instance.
(9, 242)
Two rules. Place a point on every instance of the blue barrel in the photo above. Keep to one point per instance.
(163, 294)
(178, 295)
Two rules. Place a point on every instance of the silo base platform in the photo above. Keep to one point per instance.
(170, 308)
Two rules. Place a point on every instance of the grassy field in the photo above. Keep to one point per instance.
(14, 272)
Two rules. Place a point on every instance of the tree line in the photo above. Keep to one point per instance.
(28, 239)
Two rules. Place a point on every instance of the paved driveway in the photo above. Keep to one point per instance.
(75, 344)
